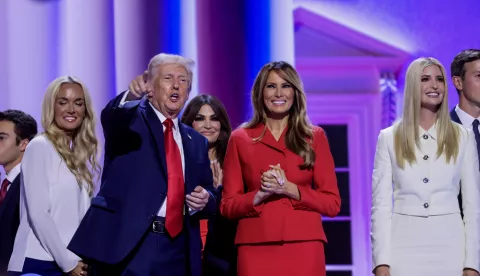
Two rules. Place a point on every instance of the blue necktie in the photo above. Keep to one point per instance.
(477, 137)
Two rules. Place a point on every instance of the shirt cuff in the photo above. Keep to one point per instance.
(124, 99)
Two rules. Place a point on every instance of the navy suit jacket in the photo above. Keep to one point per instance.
(456, 119)
(454, 116)
(134, 185)
(9, 221)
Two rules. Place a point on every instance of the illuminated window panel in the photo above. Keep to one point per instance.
(338, 140)
(339, 273)
(344, 189)
(338, 250)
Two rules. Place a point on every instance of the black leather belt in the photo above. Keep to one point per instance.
(158, 226)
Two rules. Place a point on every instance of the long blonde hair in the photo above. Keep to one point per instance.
(300, 131)
(407, 128)
(81, 157)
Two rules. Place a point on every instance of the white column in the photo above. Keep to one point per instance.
(4, 95)
(282, 41)
(88, 47)
(188, 38)
(130, 39)
(31, 46)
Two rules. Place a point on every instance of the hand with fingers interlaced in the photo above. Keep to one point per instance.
(470, 272)
(261, 195)
(80, 270)
(382, 270)
(274, 181)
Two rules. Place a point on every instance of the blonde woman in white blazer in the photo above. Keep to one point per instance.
(422, 162)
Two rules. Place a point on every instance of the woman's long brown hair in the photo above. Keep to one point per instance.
(299, 134)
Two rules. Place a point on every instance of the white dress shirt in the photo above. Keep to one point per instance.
(429, 187)
(12, 175)
(178, 139)
(52, 206)
(465, 118)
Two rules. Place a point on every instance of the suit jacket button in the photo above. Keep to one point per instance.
(425, 180)
(425, 205)
(425, 157)
(425, 136)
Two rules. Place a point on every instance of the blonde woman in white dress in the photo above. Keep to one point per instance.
(422, 162)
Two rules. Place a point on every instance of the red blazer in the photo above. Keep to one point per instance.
(278, 218)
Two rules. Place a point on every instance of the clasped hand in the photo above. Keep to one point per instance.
(274, 181)
(198, 199)
(80, 270)
(469, 272)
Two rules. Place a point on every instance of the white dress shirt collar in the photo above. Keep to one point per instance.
(465, 118)
(14, 173)
(162, 119)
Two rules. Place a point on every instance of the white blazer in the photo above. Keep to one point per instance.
(52, 205)
(428, 187)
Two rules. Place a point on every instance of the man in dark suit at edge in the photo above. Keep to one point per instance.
(465, 72)
(16, 131)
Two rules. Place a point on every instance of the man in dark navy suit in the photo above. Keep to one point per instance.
(16, 131)
(156, 184)
(465, 72)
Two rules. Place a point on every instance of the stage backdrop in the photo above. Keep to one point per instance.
(107, 43)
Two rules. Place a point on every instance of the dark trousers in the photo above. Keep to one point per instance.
(220, 254)
(157, 255)
(38, 267)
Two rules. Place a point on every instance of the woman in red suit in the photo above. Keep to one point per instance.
(279, 177)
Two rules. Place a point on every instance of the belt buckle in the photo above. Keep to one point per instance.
(158, 227)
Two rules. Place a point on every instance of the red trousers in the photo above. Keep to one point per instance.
(282, 259)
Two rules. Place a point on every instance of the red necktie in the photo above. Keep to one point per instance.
(176, 189)
(3, 190)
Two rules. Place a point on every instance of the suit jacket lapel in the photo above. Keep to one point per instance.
(156, 129)
(454, 116)
(187, 154)
(12, 194)
(268, 138)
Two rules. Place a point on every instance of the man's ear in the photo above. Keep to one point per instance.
(457, 82)
(149, 86)
(149, 81)
(23, 144)
(145, 76)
